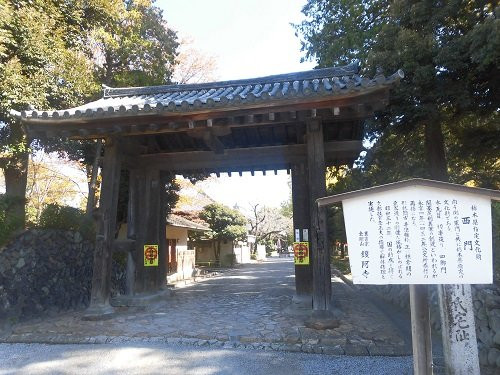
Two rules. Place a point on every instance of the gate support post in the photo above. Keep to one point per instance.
(150, 229)
(420, 330)
(301, 221)
(322, 284)
(106, 228)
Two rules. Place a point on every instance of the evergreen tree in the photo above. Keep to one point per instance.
(450, 54)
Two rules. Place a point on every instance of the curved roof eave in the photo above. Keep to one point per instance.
(310, 86)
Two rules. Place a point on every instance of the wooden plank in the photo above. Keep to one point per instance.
(301, 221)
(106, 228)
(320, 253)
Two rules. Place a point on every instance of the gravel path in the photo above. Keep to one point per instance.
(35, 359)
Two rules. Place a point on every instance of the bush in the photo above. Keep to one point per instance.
(55, 216)
(9, 222)
(229, 260)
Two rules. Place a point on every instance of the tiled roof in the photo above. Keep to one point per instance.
(182, 222)
(119, 102)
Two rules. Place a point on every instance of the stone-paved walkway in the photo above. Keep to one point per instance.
(247, 307)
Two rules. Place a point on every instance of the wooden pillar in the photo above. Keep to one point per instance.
(420, 330)
(132, 218)
(106, 228)
(162, 230)
(322, 286)
(301, 221)
(149, 230)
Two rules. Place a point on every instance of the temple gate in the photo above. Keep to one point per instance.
(299, 122)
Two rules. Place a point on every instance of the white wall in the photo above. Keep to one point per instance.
(261, 252)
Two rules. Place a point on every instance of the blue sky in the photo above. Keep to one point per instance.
(248, 38)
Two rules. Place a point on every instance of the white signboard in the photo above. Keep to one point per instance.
(419, 235)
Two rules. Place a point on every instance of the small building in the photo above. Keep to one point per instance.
(181, 254)
(231, 252)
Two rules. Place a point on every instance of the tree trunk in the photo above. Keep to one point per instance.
(217, 251)
(16, 178)
(93, 179)
(435, 152)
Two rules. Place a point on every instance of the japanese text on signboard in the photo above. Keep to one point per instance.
(419, 236)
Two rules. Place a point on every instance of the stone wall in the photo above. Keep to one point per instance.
(486, 300)
(44, 271)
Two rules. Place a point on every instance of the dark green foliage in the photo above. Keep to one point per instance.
(450, 53)
(225, 223)
(55, 216)
(9, 221)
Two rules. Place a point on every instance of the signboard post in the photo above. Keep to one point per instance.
(420, 232)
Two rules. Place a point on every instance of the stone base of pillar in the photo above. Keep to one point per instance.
(302, 301)
(322, 319)
(99, 312)
(141, 299)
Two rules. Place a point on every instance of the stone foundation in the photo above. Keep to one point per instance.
(44, 271)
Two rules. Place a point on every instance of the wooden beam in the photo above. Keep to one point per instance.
(213, 143)
(245, 157)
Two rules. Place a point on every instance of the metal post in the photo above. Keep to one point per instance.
(420, 330)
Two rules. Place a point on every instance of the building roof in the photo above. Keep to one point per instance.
(181, 222)
(187, 98)
(492, 194)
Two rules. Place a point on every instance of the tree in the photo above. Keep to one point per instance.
(193, 66)
(42, 63)
(53, 55)
(448, 50)
(47, 184)
(269, 224)
(138, 49)
(225, 223)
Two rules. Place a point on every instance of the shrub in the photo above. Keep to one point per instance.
(9, 221)
(55, 216)
(229, 260)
